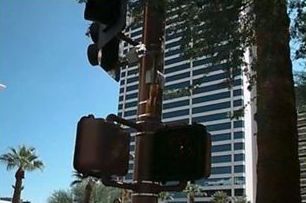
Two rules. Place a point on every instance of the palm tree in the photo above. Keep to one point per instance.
(241, 199)
(192, 190)
(164, 196)
(24, 159)
(61, 196)
(126, 196)
(89, 184)
(220, 197)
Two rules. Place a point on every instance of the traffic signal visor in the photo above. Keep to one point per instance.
(101, 149)
(181, 153)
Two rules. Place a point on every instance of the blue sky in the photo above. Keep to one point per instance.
(50, 85)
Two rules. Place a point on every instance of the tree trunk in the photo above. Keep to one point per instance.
(278, 165)
(88, 190)
(191, 197)
(19, 175)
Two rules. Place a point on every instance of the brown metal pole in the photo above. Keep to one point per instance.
(149, 98)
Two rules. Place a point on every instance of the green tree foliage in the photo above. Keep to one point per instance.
(89, 182)
(241, 199)
(220, 197)
(78, 192)
(223, 30)
(298, 28)
(192, 190)
(61, 196)
(102, 194)
(164, 196)
(23, 159)
(300, 91)
(99, 194)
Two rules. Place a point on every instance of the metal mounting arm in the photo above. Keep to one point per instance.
(142, 186)
(107, 181)
(127, 39)
(114, 118)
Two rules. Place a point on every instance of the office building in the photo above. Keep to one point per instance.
(302, 151)
(211, 103)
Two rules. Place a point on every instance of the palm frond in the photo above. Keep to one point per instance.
(31, 166)
(23, 157)
(75, 182)
(10, 166)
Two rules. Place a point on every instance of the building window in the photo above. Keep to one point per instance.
(211, 97)
(238, 102)
(238, 124)
(238, 135)
(211, 107)
(176, 113)
(207, 70)
(121, 90)
(238, 146)
(220, 137)
(131, 88)
(239, 157)
(130, 113)
(177, 86)
(210, 88)
(136, 33)
(212, 192)
(173, 44)
(237, 82)
(174, 60)
(133, 72)
(176, 104)
(206, 79)
(133, 79)
(222, 126)
(239, 180)
(130, 104)
(171, 52)
(179, 121)
(221, 159)
(239, 192)
(212, 117)
(238, 92)
(216, 182)
(178, 77)
(239, 169)
(221, 148)
(177, 68)
(221, 170)
(173, 36)
(131, 96)
(120, 98)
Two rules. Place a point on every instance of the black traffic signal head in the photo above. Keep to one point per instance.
(110, 15)
(102, 148)
(93, 53)
(93, 32)
(107, 57)
(181, 153)
(109, 18)
(103, 11)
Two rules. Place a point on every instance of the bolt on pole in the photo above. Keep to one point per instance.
(149, 98)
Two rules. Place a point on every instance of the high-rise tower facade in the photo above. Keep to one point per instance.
(211, 102)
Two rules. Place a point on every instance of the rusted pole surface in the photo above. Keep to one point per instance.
(149, 98)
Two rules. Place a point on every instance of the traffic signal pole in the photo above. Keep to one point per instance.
(149, 99)
(149, 175)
